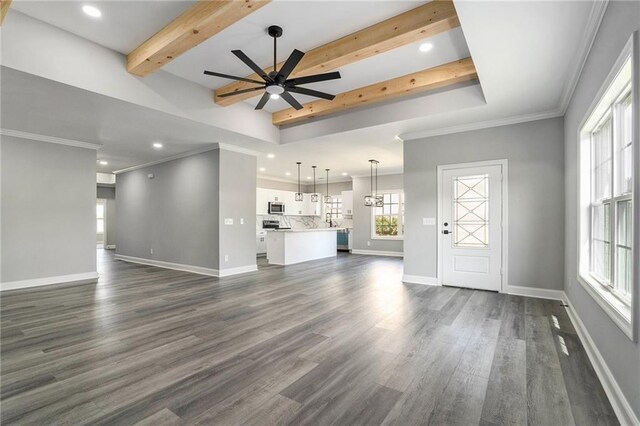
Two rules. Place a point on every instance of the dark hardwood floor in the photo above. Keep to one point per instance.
(338, 341)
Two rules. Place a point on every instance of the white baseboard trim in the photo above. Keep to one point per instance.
(420, 279)
(36, 282)
(378, 253)
(170, 265)
(541, 293)
(189, 268)
(239, 270)
(620, 405)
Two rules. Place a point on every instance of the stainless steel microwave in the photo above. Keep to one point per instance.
(276, 208)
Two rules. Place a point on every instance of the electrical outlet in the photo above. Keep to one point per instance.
(228, 221)
(150, 251)
(368, 243)
(226, 257)
(242, 221)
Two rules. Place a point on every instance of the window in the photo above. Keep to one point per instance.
(388, 220)
(606, 198)
(334, 208)
(100, 217)
(611, 200)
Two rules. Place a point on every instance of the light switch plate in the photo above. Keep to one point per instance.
(228, 221)
(429, 221)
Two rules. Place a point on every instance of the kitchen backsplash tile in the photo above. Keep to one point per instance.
(304, 222)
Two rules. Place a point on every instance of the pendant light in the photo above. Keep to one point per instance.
(370, 200)
(379, 200)
(327, 198)
(314, 196)
(299, 193)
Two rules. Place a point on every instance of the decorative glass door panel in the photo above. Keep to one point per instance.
(471, 211)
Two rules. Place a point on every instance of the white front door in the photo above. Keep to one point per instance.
(471, 227)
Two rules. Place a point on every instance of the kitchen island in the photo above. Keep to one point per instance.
(289, 246)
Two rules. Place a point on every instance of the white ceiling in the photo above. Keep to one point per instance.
(307, 24)
(528, 54)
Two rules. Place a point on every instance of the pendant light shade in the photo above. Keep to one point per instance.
(299, 193)
(327, 198)
(371, 200)
(314, 196)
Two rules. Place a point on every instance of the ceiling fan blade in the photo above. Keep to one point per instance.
(291, 100)
(237, 92)
(233, 77)
(313, 78)
(291, 63)
(244, 58)
(309, 92)
(263, 100)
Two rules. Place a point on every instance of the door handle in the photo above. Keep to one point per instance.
(445, 232)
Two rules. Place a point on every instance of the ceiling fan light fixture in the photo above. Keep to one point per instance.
(274, 96)
(274, 89)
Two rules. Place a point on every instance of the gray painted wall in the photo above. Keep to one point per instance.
(535, 155)
(237, 201)
(108, 193)
(619, 352)
(362, 215)
(175, 213)
(334, 188)
(48, 198)
(277, 185)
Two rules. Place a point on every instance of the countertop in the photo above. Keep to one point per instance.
(306, 230)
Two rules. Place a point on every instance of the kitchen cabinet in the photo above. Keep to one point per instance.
(310, 208)
(261, 243)
(347, 203)
(291, 206)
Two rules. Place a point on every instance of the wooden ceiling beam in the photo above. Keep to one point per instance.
(422, 22)
(4, 8)
(202, 21)
(421, 81)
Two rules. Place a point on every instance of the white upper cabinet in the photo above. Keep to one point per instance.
(291, 206)
(347, 203)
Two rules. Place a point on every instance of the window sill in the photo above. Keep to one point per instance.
(619, 313)
(387, 238)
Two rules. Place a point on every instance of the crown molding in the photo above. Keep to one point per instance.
(48, 139)
(598, 8)
(303, 182)
(482, 125)
(238, 149)
(211, 147)
(397, 172)
(167, 159)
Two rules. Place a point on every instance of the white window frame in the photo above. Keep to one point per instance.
(327, 208)
(624, 315)
(400, 235)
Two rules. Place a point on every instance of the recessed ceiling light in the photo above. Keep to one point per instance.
(309, 177)
(425, 47)
(157, 145)
(92, 11)
(344, 173)
(274, 96)
(103, 163)
(287, 174)
(262, 169)
(271, 156)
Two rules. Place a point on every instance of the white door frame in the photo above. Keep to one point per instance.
(505, 210)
